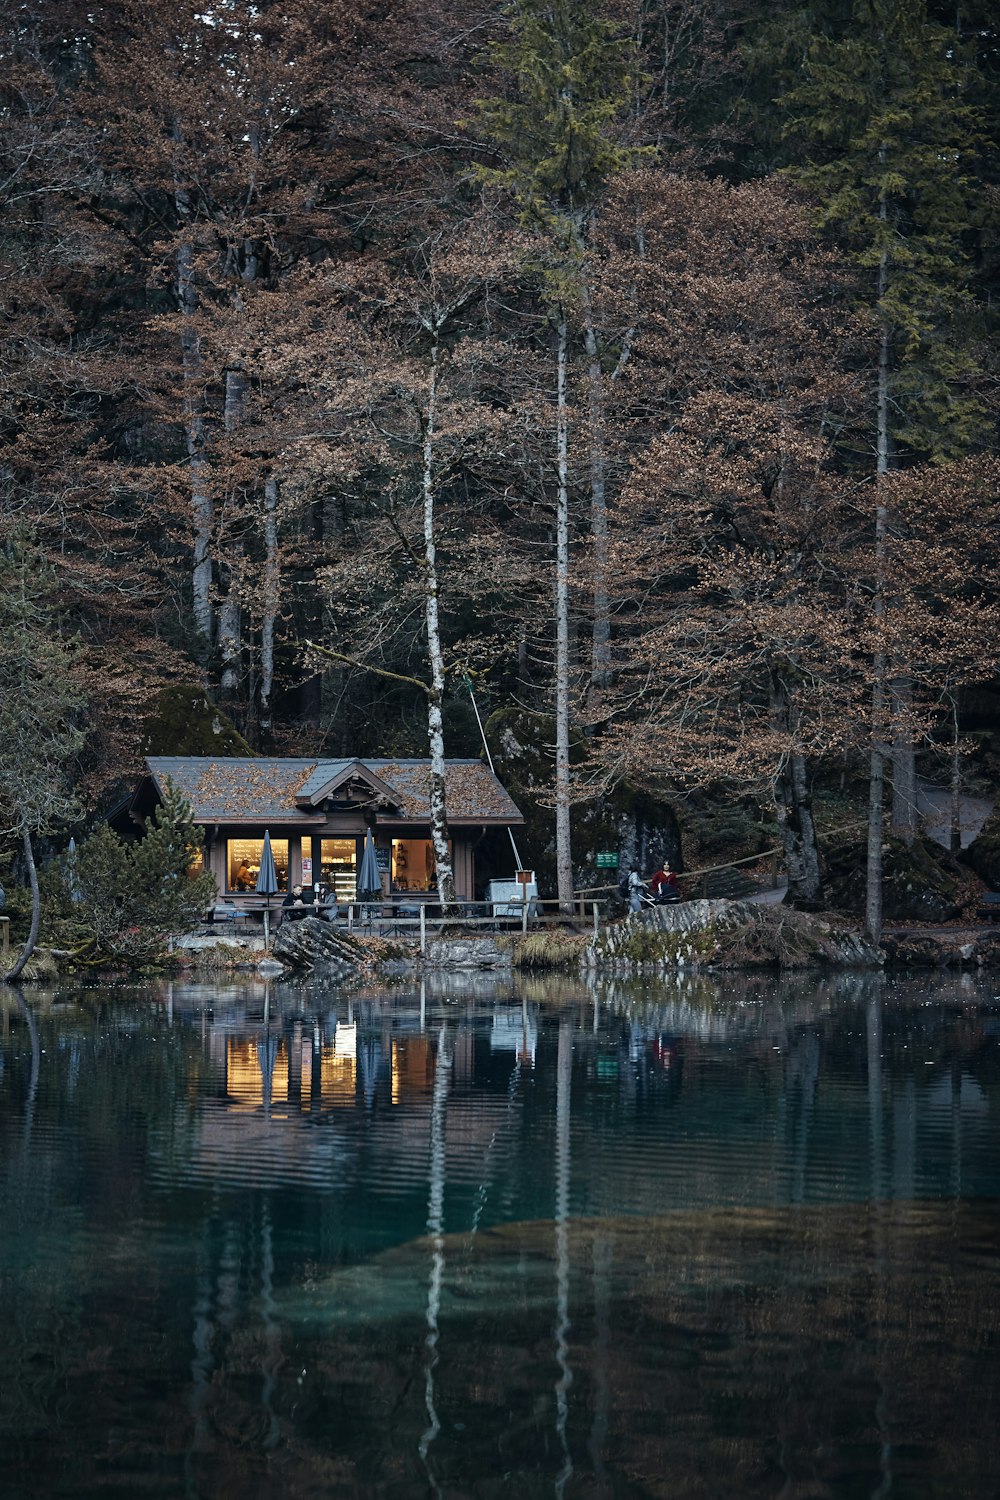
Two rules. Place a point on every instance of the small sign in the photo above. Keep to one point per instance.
(307, 870)
(607, 860)
(525, 877)
(382, 858)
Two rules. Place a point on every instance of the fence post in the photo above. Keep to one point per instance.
(596, 922)
(524, 908)
(423, 930)
(350, 916)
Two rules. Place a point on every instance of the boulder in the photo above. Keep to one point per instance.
(314, 944)
(729, 934)
(983, 854)
(921, 882)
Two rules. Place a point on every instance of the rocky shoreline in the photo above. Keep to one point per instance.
(709, 934)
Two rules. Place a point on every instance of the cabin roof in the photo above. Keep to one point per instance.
(291, 791)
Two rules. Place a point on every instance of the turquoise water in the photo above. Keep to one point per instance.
(715, 1239)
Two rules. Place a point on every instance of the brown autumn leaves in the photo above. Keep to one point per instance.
(227, 250)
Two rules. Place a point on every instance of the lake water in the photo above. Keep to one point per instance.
(719, 1238)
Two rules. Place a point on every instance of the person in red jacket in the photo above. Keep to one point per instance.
(663, 884)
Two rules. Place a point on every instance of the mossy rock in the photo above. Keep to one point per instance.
(983, 854)
(921, 882)
(184, 722)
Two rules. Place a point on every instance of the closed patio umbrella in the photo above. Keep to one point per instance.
(267, 883)
(369, 878)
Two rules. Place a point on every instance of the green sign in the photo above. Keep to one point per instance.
(606, 860)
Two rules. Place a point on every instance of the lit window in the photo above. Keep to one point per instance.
(413, 867)
(338, 867)
(243, 857)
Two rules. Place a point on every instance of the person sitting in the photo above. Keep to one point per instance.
(663, 884)
(296, 904)
(243, 879)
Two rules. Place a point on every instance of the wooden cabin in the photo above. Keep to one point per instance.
(317, 812)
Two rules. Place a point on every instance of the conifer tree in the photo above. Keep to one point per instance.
(40, 706)
(890, 145)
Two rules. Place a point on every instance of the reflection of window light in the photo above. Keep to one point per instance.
(345, 1040)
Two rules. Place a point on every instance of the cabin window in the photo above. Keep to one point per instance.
(338, 867)
(413, 865)
(243, 858)
(197, 864)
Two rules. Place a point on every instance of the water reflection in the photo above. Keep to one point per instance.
(720, 1239)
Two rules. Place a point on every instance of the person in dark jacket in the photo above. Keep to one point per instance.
(296, 904)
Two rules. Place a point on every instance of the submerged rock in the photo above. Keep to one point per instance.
(468, 953)
(729, 934)
(313, 944)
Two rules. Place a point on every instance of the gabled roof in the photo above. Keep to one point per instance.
(331, 776)
(289, 791)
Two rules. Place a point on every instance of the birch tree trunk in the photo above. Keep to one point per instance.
(435, 657)
(600, 664)
(564, 852)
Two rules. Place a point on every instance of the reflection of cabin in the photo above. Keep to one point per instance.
(317, 812)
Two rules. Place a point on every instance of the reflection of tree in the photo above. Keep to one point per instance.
(435, 1228)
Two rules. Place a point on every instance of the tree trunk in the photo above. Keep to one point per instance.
(435, 657)
(798, 833)
(876, 781)
(564, 853)
(269, 605)
(230, 629)
(793, 808)
(202, 507)
(36, 914)
(904, 820)
(955, 797)
(876, 784)
(600, 665)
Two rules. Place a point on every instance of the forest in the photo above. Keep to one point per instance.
(620, 371)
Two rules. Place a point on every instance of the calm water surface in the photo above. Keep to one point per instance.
(717, 1239)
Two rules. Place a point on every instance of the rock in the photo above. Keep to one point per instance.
(729, 934)
(983, 854)
(921, 882)
(314, 944)
(269, 969)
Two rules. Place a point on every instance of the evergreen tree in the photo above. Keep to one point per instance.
(40, 707)
(890, 146)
